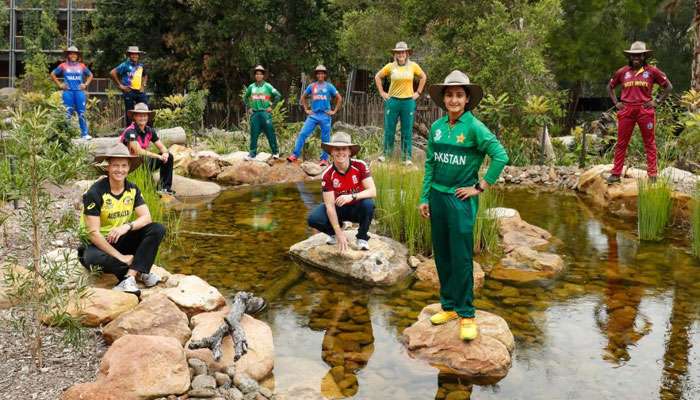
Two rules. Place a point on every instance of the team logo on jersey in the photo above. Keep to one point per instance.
(645, 75)
(108, 202)
(438, 134)
(354, 179)
(127, 201)
(628, 75)
(650, 125)
(336, 183)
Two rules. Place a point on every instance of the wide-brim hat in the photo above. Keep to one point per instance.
(139, 108)
(134, 49)
(401, 46)
(259, 68)
(72, 49)
(637, 48)
(456, 78)
(320, 68)
(118, 150)
(341, 139)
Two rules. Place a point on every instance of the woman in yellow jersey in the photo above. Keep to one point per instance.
(400, 102)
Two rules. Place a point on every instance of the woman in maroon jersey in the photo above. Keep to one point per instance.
(636, 106)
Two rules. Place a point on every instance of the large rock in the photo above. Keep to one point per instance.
(285, 173)
(137, 367)
(233, 158)
(64, 264)
(182, 157)
(486, 358)
(193, 295)
(156, 315)
(100, 306)
(524, 264)
(384, 264)
(244, 172)
(427, 272)
(174, 135)
(186, 187)
(205, 168)
(677, 175)
(312, 168)
(515, 232)
(98, 145)
(256, 363)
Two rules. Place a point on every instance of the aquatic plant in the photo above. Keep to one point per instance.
(398, 195)
(653, 208)
(486, 227)
(695, 221)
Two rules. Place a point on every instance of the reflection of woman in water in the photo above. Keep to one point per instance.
(348, 341)
(617, 318)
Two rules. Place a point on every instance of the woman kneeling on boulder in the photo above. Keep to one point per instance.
(457, 145)
(118, 245)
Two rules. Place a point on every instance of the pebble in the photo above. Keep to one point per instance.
(230, 371)
(232, 394)
(201, 393)
(200, 367)
(203, 382)
(222, 379)
(246, 383)
(266, 392)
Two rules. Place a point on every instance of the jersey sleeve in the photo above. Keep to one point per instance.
(307, 91)
(129, 136)
(58, 71)
(154, 135)
(364, 171)
(276, 95)
(487, 143)
(326, 183)
(138, 200)
(121, 69)
(386, 70)
(660, 77)
(616, 78)
(246, 96)
(92, 203)
(86, 71)
(332, 90)
(417, 70)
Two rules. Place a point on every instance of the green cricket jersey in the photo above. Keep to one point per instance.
(455, 154)
(259, 97)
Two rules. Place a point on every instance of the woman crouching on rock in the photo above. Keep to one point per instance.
(457, 145)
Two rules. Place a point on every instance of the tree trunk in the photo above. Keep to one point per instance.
(695, 77)
(570, 118)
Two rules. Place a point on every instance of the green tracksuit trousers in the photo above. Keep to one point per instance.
(452, 227)
(262, 121)
(396, 108)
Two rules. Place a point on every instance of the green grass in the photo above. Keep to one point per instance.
(653, 208)
(398, 195)
(695, 222)
(486, 237)
(143, 179)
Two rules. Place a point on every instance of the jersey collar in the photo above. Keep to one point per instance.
(346, 171)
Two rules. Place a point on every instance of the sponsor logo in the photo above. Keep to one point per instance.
(119, 214)
(336, 183)
(354, 179)
(91, 206)
(452, 159)
(127, 201)
(438, 134)
(636, 83)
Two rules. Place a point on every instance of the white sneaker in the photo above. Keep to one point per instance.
(380, 159)
(408, 163)
(276, 156)
(128, 285)
(362, 244)
(86, 137)
(249, 158)
(149, 280)
(331, 240)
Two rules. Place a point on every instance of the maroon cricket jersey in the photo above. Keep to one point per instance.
(345, 182)
(637, 85)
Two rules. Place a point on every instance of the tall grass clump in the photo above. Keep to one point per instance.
(398, 195)
(653, 208)
(485, 226)
(143, 179)
(695, 222)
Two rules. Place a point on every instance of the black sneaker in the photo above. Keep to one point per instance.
(613, 179)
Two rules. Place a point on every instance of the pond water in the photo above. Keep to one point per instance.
(623, 321)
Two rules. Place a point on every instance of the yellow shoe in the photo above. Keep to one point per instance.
(442, 317)
(468, 329)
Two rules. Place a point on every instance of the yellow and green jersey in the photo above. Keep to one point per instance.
(259, 97)
(455, 154)
(113, 209)
(401, 77)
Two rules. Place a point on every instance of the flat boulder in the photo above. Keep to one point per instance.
(427, 272)
(285, 173)
(244, 172)
(137, 367)
(312, 168)
(186, 187)
(100, 306)
(156, 315)
(256, 363)
(524, 264)
(485, 359)
(234, 157)
(384, 264)
(169, 136)
(193, 295)
(205, 168)
(515, 232)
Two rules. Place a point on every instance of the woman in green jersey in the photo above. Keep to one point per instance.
(457, 145)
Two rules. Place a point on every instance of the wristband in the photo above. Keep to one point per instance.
(478, 187)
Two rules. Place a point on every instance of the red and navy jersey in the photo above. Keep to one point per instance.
(143, 138)
(637, 85)
(72, 73)
(347, 182)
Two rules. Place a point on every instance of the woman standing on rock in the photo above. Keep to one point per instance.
(259, 96)
(457, 145)
(400, 102)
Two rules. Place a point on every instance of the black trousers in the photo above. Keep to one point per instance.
(166, 171)
(361, 212)
(142, 244)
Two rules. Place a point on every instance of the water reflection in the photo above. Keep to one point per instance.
(620, 322)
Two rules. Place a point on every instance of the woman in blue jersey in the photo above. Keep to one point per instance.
(76, 78)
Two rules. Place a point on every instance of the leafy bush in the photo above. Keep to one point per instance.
(185, 110)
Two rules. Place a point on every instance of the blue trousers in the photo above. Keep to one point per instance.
(75, 100)
(361, 212)
(324, 121)
(130, 100)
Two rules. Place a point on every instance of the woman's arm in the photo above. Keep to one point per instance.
(93, 226)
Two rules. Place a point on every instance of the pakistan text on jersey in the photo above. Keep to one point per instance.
(448, 158)
(119, 214)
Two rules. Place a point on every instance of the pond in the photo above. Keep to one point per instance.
(623, 321)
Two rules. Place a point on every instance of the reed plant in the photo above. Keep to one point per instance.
(695, 222)
(398, 195)
(653, 208)
(486, 237)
